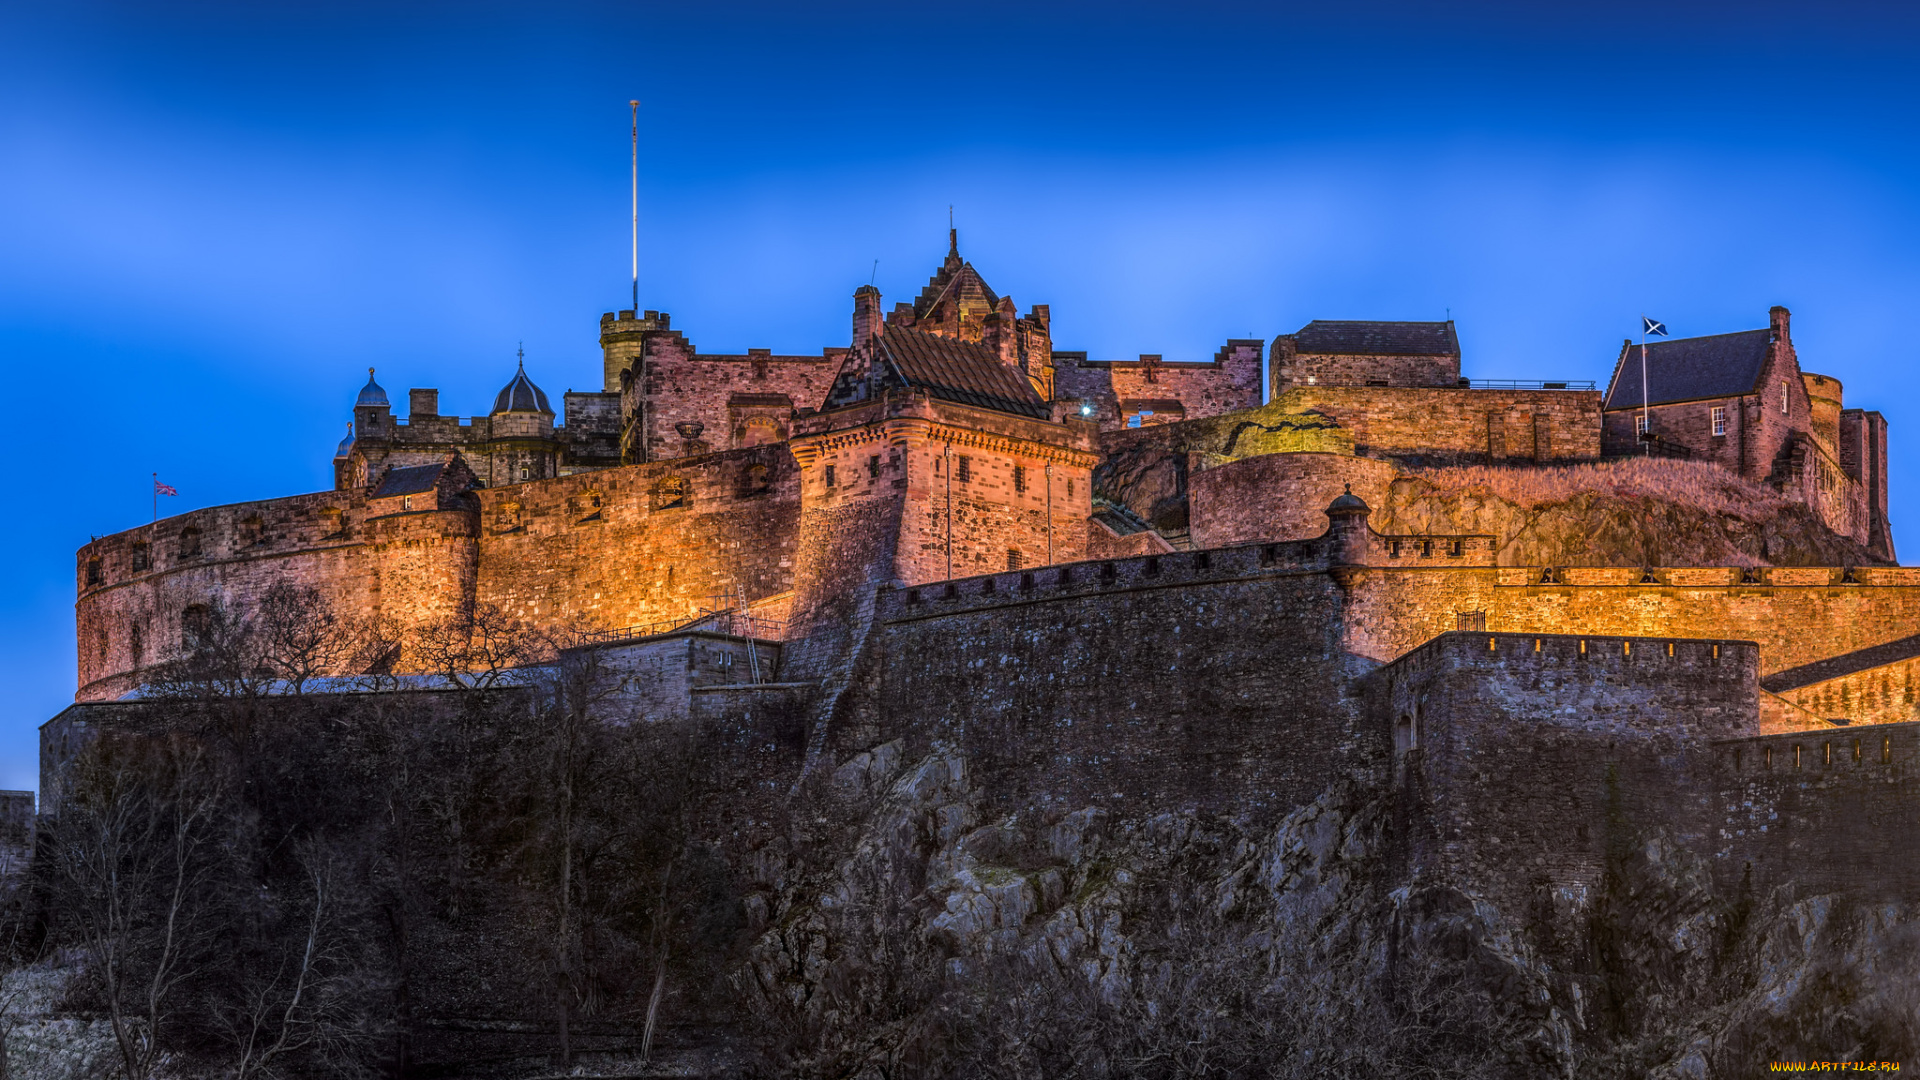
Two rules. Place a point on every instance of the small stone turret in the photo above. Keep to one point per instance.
(1347, 529)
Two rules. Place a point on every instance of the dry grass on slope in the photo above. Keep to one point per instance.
(1696, 484)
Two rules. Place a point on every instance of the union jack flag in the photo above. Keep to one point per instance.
(163, 489)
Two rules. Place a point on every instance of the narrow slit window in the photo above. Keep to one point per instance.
(963, 469)
(830, 476)
(1020, 479)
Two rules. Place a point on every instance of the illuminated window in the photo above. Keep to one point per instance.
(1783, 397)
(1719, 420)
(526, 473)
(1019, 478)
(406, 502)
(963, 469)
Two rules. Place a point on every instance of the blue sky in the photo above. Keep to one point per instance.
(214, 218)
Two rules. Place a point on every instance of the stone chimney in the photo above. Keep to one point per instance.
(867, 321)
(1780, 319)
(1001, 332)
(423, 403)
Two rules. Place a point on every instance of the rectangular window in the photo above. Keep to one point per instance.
(1641, 422)
(1719, 420)
(873, 467)
(406, 503)
(141, 557)
(1069, 489)
(1019, 478)
(94, 575)
(963, 469)
(1013, 558)
(1783, 397)
(830, 477)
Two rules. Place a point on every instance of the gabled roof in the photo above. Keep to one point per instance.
(956, 280)
(1724, 365)
(966, 372)
(409, 480)
(1338, 338)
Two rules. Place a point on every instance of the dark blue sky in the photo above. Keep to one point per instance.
(214, 218)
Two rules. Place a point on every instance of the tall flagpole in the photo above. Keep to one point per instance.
(636, 207)
(1646, 407)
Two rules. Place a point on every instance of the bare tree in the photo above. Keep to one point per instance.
(474, 646)
(132, 855)
(301, 636)
(300, 1003)
(225, 658)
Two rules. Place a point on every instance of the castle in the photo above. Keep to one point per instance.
(1141, 584)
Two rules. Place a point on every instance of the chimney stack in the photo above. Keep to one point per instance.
(867, 321)
(1781, 320)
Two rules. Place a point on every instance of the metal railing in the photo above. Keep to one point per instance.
(1529, 384)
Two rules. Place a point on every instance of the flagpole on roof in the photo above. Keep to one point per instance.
(636, 206)
(1646, 405)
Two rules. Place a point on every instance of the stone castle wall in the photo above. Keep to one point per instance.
(1118, 389)
(1192, 679)
(1458, 426)
(1278, 496)
(412, 568)
(737, 400)
(641, 543)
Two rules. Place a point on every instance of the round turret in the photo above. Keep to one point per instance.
(371, 394)
(521, 395)
(1348, 503)
(346, 444)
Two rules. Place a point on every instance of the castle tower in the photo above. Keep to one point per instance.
(622, 340)
(521, 424)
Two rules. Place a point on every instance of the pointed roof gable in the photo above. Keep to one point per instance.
(1690, 369)
(956, 280)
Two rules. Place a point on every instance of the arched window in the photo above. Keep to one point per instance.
(189, 542)
(759, 431)
(755, 480)
(672, 493)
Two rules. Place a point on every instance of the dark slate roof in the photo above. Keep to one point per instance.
(1724, 365)
(1334, 338)
(1833, 667)
(521, 395)
(371, 394)
(410, 480)
(966, 372)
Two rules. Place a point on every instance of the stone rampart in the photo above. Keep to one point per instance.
(1120, 389)
(1202, 679)
(138, 589)
(1458, 426)
(1819, 811)
(1278, 496)
(641, 543)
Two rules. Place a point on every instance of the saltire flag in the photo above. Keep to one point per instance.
(163, 489)
(1653, 326)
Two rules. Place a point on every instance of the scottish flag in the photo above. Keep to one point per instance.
(1653, 326)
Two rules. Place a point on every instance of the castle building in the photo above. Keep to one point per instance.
(1742, 401)
(947, 439)
(515, 442)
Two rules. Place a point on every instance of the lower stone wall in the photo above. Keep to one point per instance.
(1278, 496)
(1193, 690)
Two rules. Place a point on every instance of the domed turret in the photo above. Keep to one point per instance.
(521, 395)
(371, 394)
(1348, 503)
(346, 444)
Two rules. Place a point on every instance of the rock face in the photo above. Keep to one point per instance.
(930, 940)
(1629, 513)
